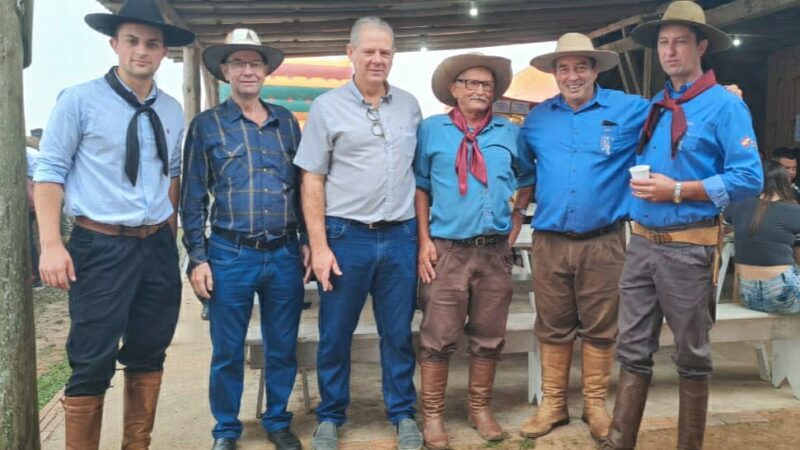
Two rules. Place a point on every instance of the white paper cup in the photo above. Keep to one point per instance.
(640, 172)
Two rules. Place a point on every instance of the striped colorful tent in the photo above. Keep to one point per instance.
(298, 81)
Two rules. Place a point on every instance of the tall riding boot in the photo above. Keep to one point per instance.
(481, 381)
(434, 386)
(692, 413)
(628, 411)
(552, 411)
(596, 372)
(139, 408)
(83, 418)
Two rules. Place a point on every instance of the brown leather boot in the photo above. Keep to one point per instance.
(83, 418)
(139, 408)
(596, 372)
(692, 413)
(481, 381)
(434, 386)
(628, 411)
(552, 411)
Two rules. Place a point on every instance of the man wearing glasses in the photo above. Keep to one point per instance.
(358, 201)
(240, 152)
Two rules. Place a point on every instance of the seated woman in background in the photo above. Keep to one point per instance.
(765, 229)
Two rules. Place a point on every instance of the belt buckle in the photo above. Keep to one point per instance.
(571, 234)
(480, 242)
(659, 238)
(374, 226)
(141, 232)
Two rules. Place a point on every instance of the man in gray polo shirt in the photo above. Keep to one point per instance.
(358, 202)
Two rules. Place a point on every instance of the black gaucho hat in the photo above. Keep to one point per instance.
(140, 11)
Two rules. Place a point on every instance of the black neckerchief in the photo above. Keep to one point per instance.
(132, 136)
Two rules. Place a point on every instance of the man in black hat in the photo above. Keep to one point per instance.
(111, 151)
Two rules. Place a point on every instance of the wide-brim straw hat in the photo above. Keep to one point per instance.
(145, 12)
(682, 13)
(447, 71)
(576, 44)
(240, 39)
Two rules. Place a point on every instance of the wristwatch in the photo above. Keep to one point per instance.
(676, 193)
(521, 211)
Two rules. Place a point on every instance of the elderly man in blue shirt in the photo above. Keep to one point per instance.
(464, 221)
(240, 152)
(111, 151)
(699, 144)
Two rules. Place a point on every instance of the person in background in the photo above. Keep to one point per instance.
(787, 158)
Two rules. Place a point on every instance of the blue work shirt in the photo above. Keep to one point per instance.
(247, 168)
(83, 148)
(484, 209)
(582, 158)
(719, 148)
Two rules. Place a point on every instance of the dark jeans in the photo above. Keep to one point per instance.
(127, 289)
(382, 263)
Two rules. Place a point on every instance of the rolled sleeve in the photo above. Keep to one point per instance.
(175, 157)
(60, 140)
(422, 163)
(715, 189)
(314, 152)
(194, 196)
(526, 162)
(742, 175)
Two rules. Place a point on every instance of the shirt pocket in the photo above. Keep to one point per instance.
(698, 138)
(230, 161)
(614, 138)
(498, 161)
(406, 142)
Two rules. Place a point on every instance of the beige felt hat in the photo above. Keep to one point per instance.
(448, 70)
(576, 44)
(239, 39)
(682, 13)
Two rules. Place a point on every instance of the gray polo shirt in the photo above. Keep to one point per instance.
(369, 178)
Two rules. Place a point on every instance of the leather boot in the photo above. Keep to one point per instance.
(434, 386)
(628, 411)
(692, 413)
(481, 381)
(596, 372)
(139, 408)
(552, 411)
(83, 417)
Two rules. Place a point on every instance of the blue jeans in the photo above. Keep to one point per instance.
(382, 263)
(779, 294)
(277, 276)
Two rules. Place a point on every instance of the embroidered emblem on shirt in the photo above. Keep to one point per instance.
(747, 142)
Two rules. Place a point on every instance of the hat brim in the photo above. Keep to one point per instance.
(213, 56)
(448, 70)
(108, 24)
(605, 59)
(646, 34)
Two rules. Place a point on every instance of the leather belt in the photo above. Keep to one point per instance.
(482, 241)
(699, 236)
(140, 232)
(382, 225)
(258, 243)
(589, 234)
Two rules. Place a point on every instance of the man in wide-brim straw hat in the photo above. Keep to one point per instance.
(583, 141)
(119, 135)
(699, 143)
(465, 165)
(240, 154)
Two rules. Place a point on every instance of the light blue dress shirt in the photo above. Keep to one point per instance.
(582, 159)
(484, 209)
(83, 148)
(719, 149)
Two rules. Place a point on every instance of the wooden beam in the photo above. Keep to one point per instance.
(173, 18)
(191, 83)
(211, 89)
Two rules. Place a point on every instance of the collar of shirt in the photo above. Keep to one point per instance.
(497, 121)
(599, 98)
(353, 89)
(673, 93)
(232, 112)
(153, 88)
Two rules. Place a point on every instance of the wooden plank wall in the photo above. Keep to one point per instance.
(783, 101)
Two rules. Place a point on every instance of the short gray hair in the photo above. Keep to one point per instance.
(371, 21)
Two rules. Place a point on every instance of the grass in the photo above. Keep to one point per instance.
(51, 382)
(526, 444)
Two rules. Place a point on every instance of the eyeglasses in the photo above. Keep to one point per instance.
(239, 66)
(375, 117)
(473, 85)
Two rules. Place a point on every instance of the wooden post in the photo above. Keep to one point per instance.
(211, 87)
(19, 418)
(191, 83)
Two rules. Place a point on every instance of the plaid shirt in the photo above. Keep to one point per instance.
(248, 171)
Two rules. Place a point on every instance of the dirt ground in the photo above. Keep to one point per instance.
(51, 313)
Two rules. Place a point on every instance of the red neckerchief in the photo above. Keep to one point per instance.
(678, 127)
(478, 164)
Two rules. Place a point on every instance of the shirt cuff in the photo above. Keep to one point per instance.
(715, 189)
(526, 181)
(423, 183)
(195, 261)
(311, 167)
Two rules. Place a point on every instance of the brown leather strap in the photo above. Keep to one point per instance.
(140, 232)
(698, 236)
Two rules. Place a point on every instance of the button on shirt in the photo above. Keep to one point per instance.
(248, 170)
(369, 178)
(719, 148)
(83, 148)
(484, 209)
(582, 159)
